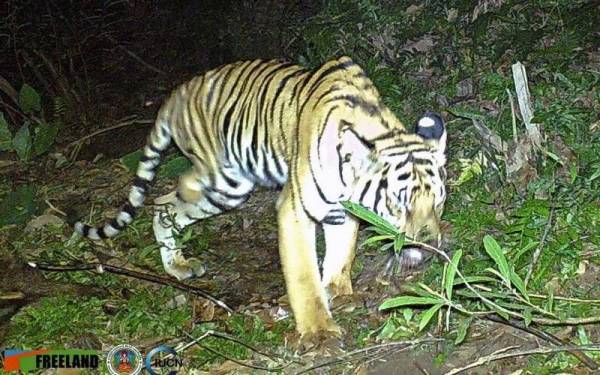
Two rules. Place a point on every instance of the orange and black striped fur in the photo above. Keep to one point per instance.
(324, 136)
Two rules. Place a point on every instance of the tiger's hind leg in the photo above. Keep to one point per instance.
(174, 214)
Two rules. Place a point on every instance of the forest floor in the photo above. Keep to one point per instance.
(454, 59)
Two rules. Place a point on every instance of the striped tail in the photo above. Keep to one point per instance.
(159, 140)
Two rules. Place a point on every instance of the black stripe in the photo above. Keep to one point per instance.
(115, 224)
(364, 192)
(230, 181)
(145, 158)
(403, 176)
(280, 88)
(154, 148)
(377, 199)
(422, 161)
(127, 207)
(225, 194)
(141, 183)
(370, 108)
(101, 233)
(221, 207)
(86, 230)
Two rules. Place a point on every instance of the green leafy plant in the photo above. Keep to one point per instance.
(34, 135)
(499, 291)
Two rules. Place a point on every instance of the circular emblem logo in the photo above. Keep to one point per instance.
(124, 359)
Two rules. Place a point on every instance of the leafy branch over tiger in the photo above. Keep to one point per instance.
(324, 137)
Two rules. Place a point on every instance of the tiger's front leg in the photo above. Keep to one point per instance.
(340, 245)
(301, 271)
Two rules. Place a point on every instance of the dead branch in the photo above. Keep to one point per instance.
(122, 123)
(101, 267)
(135, 56)
(521, 353)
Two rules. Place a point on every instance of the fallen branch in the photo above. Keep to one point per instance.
(121, 124)
(135, 56)
(101, 267)
(517, 353)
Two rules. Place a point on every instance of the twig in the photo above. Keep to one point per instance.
(100, 267)
(135, 56)
(196, 341)
(584, 358)
(233, 339)
(536, 254)
(53, 208)
(121, 124)
(514, 117)
(543, 350)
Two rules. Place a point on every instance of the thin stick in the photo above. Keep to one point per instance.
(514, 117)
(100, 267)
(135, 56)
(543, 350)
(53, 208)
(536, 254)
(117, 126)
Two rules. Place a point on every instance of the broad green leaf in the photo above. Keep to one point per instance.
(427, 315)
(388, 330)
(408, 301)
(44, 138)
(22, 143)
(131, 160)
(385, 247)
(407, 314)
(18, 206)
(527, 316)
(174, 167)
(463, 327)
(378, 238)
(495, 252)
(370, 217)
(399, 243)
(29, 99)
(583, 336)
(519, 284)
(475, 280)
(499, 310)
(5, 135)
(514, 258)
(451, 272)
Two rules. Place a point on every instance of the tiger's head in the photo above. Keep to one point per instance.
(406, 182)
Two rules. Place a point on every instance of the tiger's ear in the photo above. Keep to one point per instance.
(431, 128)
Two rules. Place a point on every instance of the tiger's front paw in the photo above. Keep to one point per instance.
(325, 342)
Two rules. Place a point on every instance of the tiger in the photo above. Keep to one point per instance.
(321, 136)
